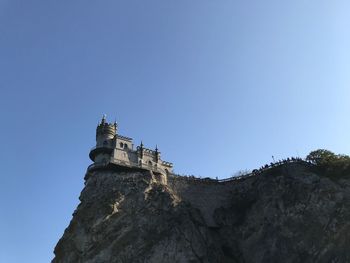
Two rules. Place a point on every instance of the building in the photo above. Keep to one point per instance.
(114, 150)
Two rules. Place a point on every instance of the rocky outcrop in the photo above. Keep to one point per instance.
(290, 213)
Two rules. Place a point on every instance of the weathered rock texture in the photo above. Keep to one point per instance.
(287, 214)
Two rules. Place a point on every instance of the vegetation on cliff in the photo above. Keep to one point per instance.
(329, 163)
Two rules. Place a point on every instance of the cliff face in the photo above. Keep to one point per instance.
(286, 214)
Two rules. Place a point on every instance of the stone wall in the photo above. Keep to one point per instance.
(120, 143)
(205, 195)
(125, 155)
(102, 158)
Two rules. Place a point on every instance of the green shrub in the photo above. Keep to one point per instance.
(329, 163)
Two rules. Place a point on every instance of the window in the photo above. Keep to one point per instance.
(121, 145)
(125, 146)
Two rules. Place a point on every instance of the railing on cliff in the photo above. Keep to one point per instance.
(255, 172)
(193, 178)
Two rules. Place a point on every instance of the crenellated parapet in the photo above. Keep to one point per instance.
(167, 164)
(105, 130)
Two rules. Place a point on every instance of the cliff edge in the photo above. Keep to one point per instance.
(290, 213)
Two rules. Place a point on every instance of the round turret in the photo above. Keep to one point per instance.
(105, 140)
(105, 131)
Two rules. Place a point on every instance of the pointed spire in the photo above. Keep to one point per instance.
(157, 154)
(141, 150)
(103, 121)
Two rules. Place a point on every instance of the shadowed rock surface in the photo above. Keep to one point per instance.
(290, 213)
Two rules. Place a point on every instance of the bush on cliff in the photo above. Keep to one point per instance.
(329, 163)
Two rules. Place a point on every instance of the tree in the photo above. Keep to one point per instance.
(321, 157)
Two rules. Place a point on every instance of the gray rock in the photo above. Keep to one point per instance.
(287, 214)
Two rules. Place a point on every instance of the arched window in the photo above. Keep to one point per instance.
(125, 146)
(149, 163)
(121, 145)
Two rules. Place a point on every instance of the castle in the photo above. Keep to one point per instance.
(115, 151)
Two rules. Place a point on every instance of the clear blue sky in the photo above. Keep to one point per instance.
(220, 86)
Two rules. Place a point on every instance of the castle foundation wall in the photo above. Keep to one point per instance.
(205, 196)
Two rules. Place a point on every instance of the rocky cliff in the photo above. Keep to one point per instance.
(290, 213)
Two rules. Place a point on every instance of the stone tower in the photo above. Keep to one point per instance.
(105, 141)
